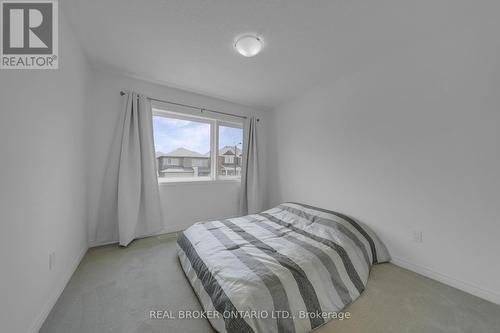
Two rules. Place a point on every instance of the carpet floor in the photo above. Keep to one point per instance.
(114, 289)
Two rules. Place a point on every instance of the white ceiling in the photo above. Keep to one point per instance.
(188, 43)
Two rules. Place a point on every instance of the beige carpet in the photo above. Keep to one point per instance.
(114, 289)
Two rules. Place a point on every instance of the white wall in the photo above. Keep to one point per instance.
(43, 184)
(410, 143)
(182, 204)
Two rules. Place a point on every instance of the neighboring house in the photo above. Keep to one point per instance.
(183, 162)
(229, 163)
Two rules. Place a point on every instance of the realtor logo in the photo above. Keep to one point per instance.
(29, 34)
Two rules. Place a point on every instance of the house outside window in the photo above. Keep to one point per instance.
(229, 154)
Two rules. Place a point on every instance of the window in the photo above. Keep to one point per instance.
(173, 161)
(229, 154)
(185, 146)
(198, 163)
(182, 145)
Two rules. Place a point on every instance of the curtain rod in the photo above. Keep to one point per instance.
(122, 93)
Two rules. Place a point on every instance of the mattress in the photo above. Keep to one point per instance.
(291, 268)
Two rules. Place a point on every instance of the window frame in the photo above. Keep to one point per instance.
(214, 122)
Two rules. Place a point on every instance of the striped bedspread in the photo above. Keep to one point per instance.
(289, 269)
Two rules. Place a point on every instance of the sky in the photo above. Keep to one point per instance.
(170, 134)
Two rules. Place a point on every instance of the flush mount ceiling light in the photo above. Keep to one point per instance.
(248, 45)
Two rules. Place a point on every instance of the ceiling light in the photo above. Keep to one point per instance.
(248, 45)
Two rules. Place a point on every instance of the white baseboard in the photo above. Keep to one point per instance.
(172, 230)
(99, 243)
(468, 287)
(169, 235)
(56, 292)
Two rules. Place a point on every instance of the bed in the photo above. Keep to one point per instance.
(291, 268)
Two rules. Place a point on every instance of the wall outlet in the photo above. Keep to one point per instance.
(417, 236)
(52, 260)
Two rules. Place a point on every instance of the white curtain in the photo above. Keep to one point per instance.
(250, 197)
(130, 206)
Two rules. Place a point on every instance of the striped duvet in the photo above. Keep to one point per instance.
(289, 269)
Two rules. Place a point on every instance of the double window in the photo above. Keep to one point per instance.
(172, 161)
(190, 147)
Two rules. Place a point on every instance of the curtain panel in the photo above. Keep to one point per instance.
(250, 200)
(130, 205)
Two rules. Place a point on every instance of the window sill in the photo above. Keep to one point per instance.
(198, 181)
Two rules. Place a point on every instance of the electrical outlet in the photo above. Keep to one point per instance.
(52, 260)
(417, 236)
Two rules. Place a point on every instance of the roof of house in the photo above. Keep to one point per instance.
(181, 152)
(229, 150)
